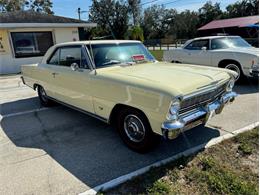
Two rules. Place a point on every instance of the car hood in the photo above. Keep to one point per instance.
(182, 79)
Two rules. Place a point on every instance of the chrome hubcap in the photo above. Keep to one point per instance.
(234, 68)
(134, 128)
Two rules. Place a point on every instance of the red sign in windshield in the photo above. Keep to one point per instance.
(138, 57)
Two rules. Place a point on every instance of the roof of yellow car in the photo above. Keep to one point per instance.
(97, 42)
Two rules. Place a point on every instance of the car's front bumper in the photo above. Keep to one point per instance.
(171, 129)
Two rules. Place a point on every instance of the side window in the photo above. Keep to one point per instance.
(65, 56)
(218, 44)
(197, 45)
(55, 58)
(70, 55)
(84, 62)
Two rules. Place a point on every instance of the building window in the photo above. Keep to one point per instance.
(31, 44)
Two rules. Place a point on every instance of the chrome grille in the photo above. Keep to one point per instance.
(202, 99)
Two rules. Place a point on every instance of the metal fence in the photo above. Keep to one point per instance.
(161, 44)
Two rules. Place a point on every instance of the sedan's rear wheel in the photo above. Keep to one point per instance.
(45, 101)
(135, 130)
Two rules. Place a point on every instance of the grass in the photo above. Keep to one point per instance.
(158, 54)
(246, 146)
(230, 167)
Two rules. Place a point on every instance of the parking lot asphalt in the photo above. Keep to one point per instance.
(61, 151)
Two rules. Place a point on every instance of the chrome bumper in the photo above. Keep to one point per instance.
(171, 129)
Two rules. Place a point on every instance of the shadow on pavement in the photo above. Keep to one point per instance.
(20, 106)
(87, 148)
(248, 86)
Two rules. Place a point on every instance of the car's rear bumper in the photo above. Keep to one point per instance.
(171, 129)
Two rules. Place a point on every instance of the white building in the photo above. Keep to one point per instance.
(25, 36)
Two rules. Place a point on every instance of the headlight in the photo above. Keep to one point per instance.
(230, 84)
(174, 110)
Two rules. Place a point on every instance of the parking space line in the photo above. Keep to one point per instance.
(24, 112)
(13, 88)
(117, 181)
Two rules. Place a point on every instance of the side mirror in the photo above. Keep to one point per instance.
(204, 48)
(74, 66)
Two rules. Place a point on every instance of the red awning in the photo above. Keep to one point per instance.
(233, 22)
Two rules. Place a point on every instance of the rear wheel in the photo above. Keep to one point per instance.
(45, 101)
(135, 131)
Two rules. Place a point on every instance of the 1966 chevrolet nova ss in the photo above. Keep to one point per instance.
(121, 83)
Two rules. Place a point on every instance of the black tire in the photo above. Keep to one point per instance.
(236, 67)
(147, 141)
(44, 100)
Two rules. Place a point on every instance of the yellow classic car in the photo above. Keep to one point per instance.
(121, 83)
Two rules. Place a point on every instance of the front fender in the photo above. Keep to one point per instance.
(154, 104)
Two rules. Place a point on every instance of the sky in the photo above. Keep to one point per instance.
(68, 8)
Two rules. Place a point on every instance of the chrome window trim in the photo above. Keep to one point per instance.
(87, 56)
(87, 52)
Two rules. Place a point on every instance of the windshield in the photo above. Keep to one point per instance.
(123, 53)
(233, 42)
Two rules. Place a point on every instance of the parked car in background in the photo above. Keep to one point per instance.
(231, 52)
(121, 83)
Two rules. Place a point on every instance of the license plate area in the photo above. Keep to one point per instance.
(195, 123)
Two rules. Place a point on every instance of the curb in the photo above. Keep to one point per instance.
(117, 181)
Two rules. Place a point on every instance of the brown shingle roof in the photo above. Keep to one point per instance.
(233, 22)
(34, 17)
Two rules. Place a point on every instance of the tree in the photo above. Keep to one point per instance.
(243, 8)
(44, 6)
(136, 33)
(11, 5)
(135, 10)
(209, 12)
(111, 16)
(156, 22)
(184, 25)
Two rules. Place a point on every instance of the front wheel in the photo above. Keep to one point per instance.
(135, 131)
(237, 69)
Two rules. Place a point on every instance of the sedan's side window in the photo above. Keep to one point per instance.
(84, 61)
(54, 60)
(198, 44)
(70, 55)
(218, 44)
(66, 56)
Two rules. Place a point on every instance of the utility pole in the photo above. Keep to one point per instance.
(81, 12)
